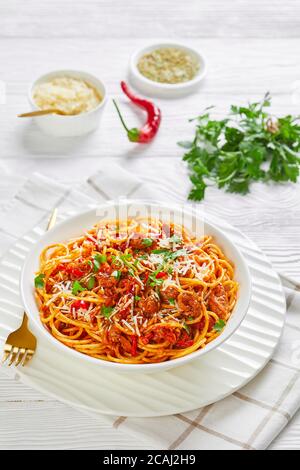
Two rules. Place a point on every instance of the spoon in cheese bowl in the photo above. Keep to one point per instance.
(42, 112)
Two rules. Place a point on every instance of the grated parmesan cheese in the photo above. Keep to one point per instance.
(69, 95)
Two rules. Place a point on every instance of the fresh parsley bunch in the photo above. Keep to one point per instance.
(248, 145)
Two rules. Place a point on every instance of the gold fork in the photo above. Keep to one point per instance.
(20, 345)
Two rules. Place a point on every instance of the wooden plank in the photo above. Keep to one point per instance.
(158, 18)
(48, 425)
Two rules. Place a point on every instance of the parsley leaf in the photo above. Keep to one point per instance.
(172, 301)
(168, 254)
(186, 144)
(175, 239)
(98, 260)
(91, 282)
(39, 281)
(178, 253)
(125, 257)
(154, 280)
(219, 325)
(160, 251)
(248, 145)
(106, 311)
(77, 287)
(117, 275)
(137, 298)
(147, 241)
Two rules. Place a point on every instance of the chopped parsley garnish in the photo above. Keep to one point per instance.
(77, 287)
(187, 328)
(169, 269)
(125, 257)
(91, 282)
(106, 311)
(117, 275)
(137, 298)
(175, 239)
(172, 301)
(168, 254)
(153, 280)
(219, 325)
(178, 253)
(160, 251)
(122, 259)
(116, 261)
(98, 260)
(39, 281)
(147, 241)
(248, 145)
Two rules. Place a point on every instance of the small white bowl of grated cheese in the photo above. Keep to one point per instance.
(80, 96)
(167, 69)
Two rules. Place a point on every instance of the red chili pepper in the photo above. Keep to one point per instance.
(146, 133)
(134, 346)
(77, 304)
(161, 275)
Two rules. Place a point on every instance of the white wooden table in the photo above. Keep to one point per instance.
(251, 46)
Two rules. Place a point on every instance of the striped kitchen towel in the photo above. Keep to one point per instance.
(250, 418)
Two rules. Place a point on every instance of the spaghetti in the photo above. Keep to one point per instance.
(136, 291)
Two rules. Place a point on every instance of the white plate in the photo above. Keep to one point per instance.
(76, 225)
(199, 383)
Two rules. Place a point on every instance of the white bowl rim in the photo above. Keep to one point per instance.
(120, 367)
(69, 72)
(168, 86)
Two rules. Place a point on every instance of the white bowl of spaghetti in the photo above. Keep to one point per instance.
(136, 287)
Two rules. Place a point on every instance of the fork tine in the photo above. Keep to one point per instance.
(28, 357)
(20, 356)
(15, 352)
(6, 353)
(22, 363)
(10, 355)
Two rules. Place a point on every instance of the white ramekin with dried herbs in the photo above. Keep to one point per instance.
(167, 69)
